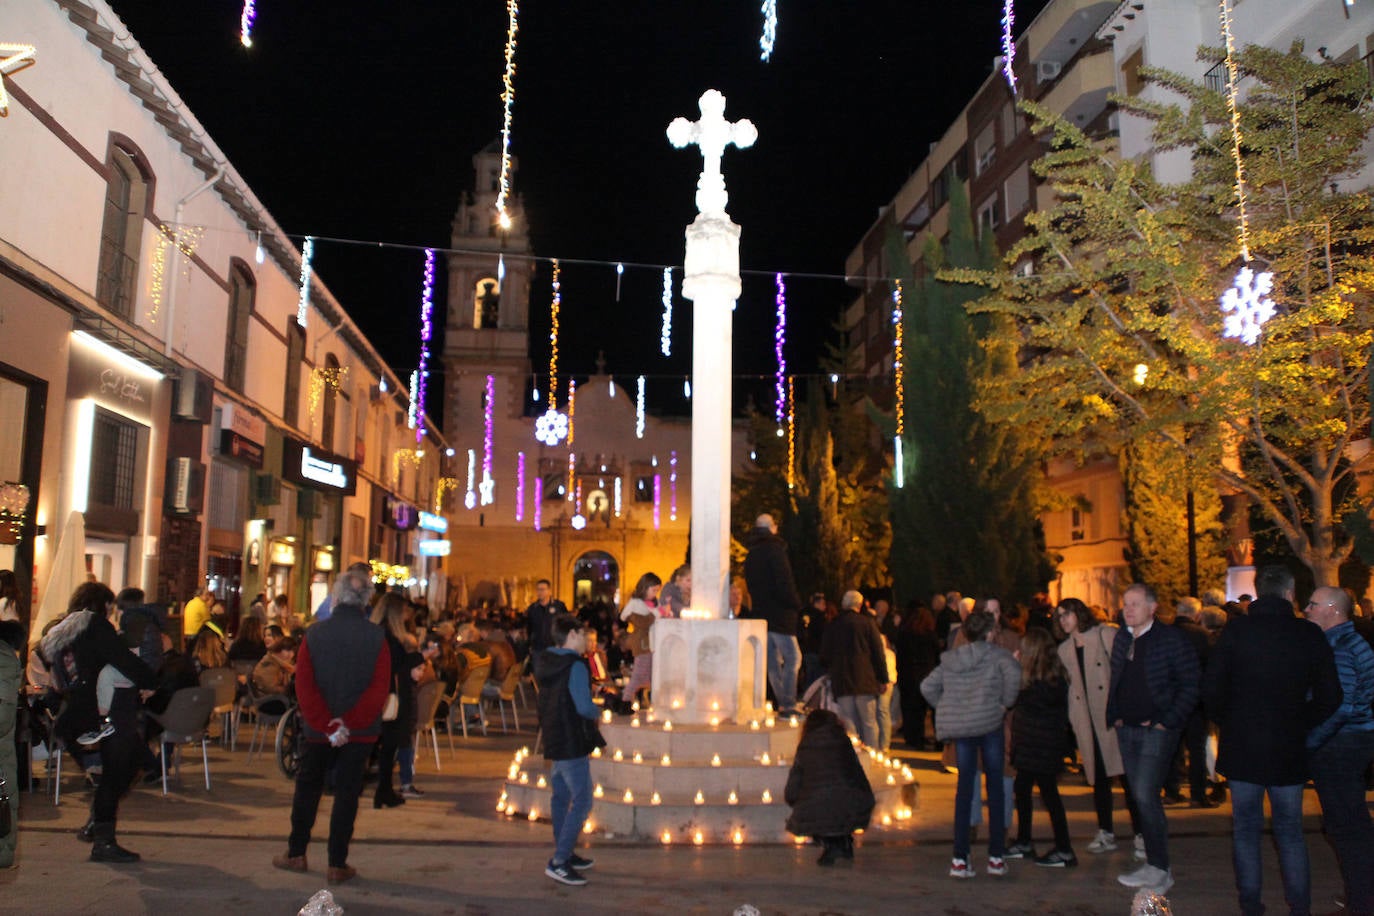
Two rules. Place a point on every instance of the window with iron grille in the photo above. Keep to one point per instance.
(241, 292)
(121, 231)
(114, 456)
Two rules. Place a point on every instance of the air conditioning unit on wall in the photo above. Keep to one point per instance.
(192, 397)
(185, 486)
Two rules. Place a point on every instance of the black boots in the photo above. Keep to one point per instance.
(105, 849)
(87, 833)
(839, 850)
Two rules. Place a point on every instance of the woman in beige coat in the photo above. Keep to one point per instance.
(1087, 654)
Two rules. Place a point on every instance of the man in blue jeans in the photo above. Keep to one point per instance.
(1154, 687)
(567, 718)
(768, 573)
(1270, 679)
(1341, 748)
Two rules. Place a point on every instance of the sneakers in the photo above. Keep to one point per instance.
(1140, 847)
(580, 863)
(1105, 841)
(564, 873)
(410, 792)
(996, 867)
(1149, 877)
(1057, 858)
(1019, 851)
(959, 868)
(98, 734)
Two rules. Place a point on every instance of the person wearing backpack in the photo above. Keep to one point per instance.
(76, 649)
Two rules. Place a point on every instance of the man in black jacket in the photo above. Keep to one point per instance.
(567, 719)
(540, 614)
(852, 653)
(76, 649)
(1270, 679)
(768, 573)
(1154, 689)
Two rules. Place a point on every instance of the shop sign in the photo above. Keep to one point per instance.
(324, 560)
(433, 548)
(313, 467)
(283, 553)
(111, 380)
(431, 522)
(401, 515)
(233, 445)
(242, 421)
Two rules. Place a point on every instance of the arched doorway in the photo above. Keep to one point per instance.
(596, 578)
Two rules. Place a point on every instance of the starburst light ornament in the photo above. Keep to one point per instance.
(13, 57)
(552, 427)
(1247, 305)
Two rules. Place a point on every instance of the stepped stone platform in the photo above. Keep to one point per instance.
(658, 780)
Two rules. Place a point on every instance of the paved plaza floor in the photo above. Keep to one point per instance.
(210, 852)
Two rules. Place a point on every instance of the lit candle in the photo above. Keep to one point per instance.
(767, 797)
(634, 723)
(598, 791)
(753, 725)
(654, 799)
(634, 707)
(501, 806)
(617, 755)
(540, 782)
(793, 722)
(799, 840)
(887, 820)
(533, 815)
(677, 704)
(715, 760)
(715, 720)
(596, 752)
(524, 778)
(737, 836)
(666, 761)
(606, 717)
(891, 780)
(667, 725)
(906, 773)
(588, 827)
(733, 799)
(514, 771)
(765, 759)
(629, 797)
(700, 799)
(768, 722)
(768, 705)
(715, 705)
(698, 838)
(524, 752)
(639, 758)
(649, 717)
(665, 838)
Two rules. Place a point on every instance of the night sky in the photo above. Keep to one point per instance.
(359, 120)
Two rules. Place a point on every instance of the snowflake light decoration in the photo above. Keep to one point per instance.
(552, 427)
(1247, 305)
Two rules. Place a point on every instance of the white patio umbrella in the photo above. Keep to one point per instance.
(68, 571)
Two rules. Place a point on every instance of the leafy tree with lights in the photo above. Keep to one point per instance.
(1120, 332)
(967, 514)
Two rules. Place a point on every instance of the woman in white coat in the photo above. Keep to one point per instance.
(1087, 654)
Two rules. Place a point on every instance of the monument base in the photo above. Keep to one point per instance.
(707, 670)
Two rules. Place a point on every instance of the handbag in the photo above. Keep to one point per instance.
(6, 816)
(392, 708)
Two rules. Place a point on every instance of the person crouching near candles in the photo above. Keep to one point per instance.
(827, 788)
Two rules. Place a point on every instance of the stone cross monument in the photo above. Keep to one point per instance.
(705, 666)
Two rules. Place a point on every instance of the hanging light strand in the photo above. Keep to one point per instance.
(665, 341)
(1232, 88)
(250, 12)
(1009, 43)
(639, 408)
(779, 341)
(488, 434)
(303, 304)
(899, 373)
(770, 29)
(554, 307)
(426, 334)
(508, 100)
(791, 434)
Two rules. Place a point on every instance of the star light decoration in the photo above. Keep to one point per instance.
(508, 101)
(552, 427)
(13, 57)
(770, 29)
(1247, 305)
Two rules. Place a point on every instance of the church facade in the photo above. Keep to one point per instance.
(592, 513)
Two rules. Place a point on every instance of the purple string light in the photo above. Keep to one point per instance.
(487, 432)
(426, 330)
(520, 487)
(672, 486)
(779, 339)
(250, 12)
(658, 498)
(538, 500)
(1008, 43)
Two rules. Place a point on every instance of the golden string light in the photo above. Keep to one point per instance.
(554, 306)
(1232, 88)
(442, 486)
(791, 434)
(508, 100)
(402, 456)
(186, 239)
(322, 377)
(572, 409)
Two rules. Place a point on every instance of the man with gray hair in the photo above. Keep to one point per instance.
(343, 674)
(852, 654)
(768, 575)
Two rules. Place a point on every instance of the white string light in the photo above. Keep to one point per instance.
(250, 12)
(417, 394)
(665, 341)
(639, 408)
(508, 100)
(1009, 43)
(13, 57)
(470, 498)
(307, 252)
(770, 29)
(488, 485)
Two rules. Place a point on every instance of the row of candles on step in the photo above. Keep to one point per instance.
(754, 725)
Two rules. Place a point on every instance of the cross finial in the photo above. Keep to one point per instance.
(712, 134)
